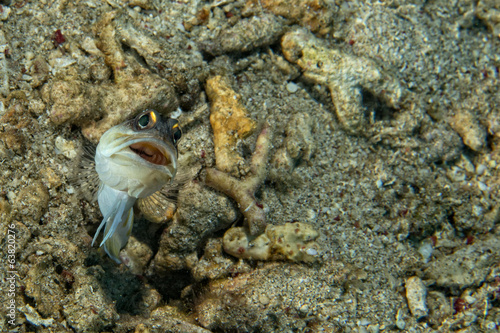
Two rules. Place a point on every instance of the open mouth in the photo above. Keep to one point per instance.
(150, 153)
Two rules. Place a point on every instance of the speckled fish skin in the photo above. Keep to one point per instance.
(133, 160)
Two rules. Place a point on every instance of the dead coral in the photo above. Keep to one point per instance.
(70, 100)
(230, 123)
(246, 35)
(113, 53)
(292, 241)
(243, 190)
(215, 265)
(367, 100)
(315, 15)
(488, 11)
(96, 108)
(466, 125)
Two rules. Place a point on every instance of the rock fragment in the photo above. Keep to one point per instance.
(32, 202)
(315, 15)
(292, 241)
(46, 291)
(415, 295)
(489, 12)
(246, 35)
(70, 101)
(467, 266)
(439, 307)
(215, 265)
(170, 319)
(200, 212)
(90, 311)
(136, 255)
(368, 101)
(96, 108)
(465, 124)
(230, 124)
(299, 146)
(300, 142)
(440, 142)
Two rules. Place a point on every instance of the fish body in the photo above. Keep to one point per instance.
(133, 160)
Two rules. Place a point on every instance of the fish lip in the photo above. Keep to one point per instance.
(166, 149)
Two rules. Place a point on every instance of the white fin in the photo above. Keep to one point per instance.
(116, 207)
(119, 238)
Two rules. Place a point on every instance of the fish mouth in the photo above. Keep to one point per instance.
(155, 152)
(150, 153)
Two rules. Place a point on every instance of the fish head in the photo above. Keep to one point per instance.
(140, 155)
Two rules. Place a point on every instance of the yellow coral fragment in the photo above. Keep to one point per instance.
(229, 121)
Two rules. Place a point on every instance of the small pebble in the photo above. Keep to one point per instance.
(11, 195)
(482, 186)
(312, 252)
(304, 309)
(477, 210)
(400, 322)
(4, 15)
(425, 250)
(263, 299)
(311, 214)
(29, 55)
(491, 325)
(65, 147)
(480, 169)
(364, 322)
(415, 294)
(470, 299)
(292, 87)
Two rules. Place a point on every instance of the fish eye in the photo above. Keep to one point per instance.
(176, 133)
(145, 121)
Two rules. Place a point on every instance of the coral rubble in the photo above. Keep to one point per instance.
(355, 82)
(243, 190)
(230, 123)
(292, 241)
(315, 15)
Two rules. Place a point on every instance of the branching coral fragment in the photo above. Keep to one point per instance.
(243, 190)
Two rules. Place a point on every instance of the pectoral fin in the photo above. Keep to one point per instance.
(117, 208)
(119, 238)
